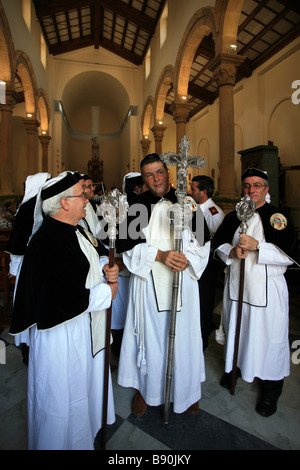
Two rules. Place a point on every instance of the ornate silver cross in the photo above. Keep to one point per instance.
(183, 160)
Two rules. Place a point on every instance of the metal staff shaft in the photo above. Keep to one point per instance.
(238, 328)
(107, 354)
(183, 160)
(172, 333)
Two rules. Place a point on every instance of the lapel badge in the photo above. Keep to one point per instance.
(278, 221)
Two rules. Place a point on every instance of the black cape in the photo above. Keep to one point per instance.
(285, 240)
(125, 242)
(22, 228)
(51, 286)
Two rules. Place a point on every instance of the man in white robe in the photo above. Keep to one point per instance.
(151, 262)
(61, 299)
(268, 247)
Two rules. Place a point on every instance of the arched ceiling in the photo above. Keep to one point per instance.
(265, 27)
(126, 27)
(87, 88)
(123, 27)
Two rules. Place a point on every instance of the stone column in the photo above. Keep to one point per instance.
(6, 144)
(158, 132)
(31, 126)
(181, 111)
(224, 68)
(145, 143)
(44, 139)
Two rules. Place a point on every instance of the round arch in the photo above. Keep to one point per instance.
(200, 25)
(147, 117)
(44, 110)
(27, 76)
(227, 16)
(166, 80)
(7, 51)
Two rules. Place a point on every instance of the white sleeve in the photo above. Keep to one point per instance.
(197, 256)
(100, 297)
(14, 265)
(140, 259)
(223, 251)
(270, 254)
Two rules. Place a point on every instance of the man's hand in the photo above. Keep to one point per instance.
(247, 242)
(238, 252)
(176, 261)
(111, 274)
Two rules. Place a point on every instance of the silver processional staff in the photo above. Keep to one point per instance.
(180, 214)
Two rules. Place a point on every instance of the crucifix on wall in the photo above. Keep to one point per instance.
(95, 165)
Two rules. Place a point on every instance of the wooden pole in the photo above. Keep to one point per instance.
(107, 356)
(238, 328)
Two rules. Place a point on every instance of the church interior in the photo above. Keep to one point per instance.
(94, 87)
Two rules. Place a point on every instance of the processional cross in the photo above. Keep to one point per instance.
(179, 214)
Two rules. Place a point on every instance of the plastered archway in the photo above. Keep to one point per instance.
(28, 80)
(7, 74)
(201, 24)
(147, 119)
(27, 77)
(227, 15)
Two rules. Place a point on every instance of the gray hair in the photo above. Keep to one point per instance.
(52, 205)
(266, 182)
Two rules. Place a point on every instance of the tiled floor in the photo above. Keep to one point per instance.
(224, 421)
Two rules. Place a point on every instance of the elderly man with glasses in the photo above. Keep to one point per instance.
(61, 299)
(269, 247)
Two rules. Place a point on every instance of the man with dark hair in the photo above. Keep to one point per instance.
(202, 189)
(152, 260)
(268, 248)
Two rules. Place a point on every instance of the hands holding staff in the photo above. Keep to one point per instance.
(176, 261)
(246, 243)
(111, 275)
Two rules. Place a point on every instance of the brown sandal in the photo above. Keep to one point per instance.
(193, 409)
(139, 405)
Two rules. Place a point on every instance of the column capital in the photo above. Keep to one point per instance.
(44, 139)
(180, 111)
(10, 99)
(158, 132)
(145, 143)
(31, 125)
(224, 67)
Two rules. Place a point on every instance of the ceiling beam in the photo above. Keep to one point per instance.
(201, 93)
(96, 22)
(68, 46)
(263, 32)
(291, 4)
(122, 52)
(45, 8)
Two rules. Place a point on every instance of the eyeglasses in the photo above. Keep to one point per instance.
(90, 186)
(78, 195)
(255, 185)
